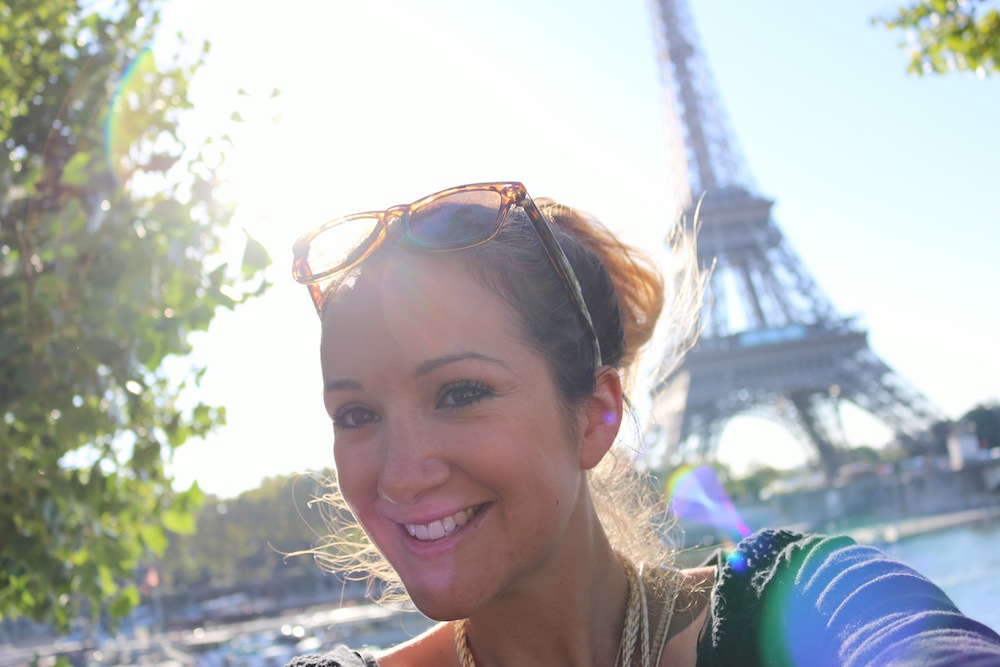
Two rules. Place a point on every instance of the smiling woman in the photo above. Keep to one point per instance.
(461, 406)
(473, 351)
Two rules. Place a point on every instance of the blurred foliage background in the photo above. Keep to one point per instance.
(247, 539)
(112, 251)
(949, 35)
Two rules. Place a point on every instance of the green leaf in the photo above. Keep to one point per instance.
(195, 497)
(255, 257)
(76, 171)
(126, 600)
(179, 520)
(154, 539)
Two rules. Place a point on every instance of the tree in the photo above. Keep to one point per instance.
(247, 539)
(111, 253)
(948, 35)
(748, 488)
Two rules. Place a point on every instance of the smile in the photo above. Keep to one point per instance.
(435, 530)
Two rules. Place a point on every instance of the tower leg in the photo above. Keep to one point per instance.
(818, 431)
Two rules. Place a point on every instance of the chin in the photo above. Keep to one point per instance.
(438, 607)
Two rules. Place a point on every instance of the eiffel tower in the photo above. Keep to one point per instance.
(772, 344)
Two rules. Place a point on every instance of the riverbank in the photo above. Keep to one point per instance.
(892, 531)
(697, 542)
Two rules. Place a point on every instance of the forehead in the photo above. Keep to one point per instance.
(418, 301)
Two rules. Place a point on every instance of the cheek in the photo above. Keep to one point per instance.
(355, 476)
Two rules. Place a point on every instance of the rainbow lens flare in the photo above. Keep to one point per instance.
(695, 494)
(123, 126)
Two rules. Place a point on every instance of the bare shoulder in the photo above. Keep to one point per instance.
(700, 579)
(694, 597)
(435, 647)
(690, 615)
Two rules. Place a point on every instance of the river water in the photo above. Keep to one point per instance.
(964, 561)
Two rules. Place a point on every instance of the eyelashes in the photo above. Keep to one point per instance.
(463, 393)
(453, 396)
(353, 416)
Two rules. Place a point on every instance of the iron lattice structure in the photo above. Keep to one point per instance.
(772, 343)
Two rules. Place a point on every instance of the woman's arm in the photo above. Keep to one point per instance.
(788, 599)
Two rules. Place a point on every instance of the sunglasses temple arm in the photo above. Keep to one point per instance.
(317, 297)
(566, 273)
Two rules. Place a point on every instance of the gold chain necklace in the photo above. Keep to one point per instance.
(635, 631)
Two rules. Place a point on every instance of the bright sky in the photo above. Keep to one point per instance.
(885, 184)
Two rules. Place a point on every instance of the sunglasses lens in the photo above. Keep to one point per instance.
(343, 244)
(457, 220)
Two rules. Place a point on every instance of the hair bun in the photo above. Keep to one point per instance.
(637, 281)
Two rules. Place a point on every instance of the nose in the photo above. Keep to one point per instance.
(412, 462)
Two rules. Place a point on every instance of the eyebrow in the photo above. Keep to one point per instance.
(342, 385)
(423, 369)
(432, 364)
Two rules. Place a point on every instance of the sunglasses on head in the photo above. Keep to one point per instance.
(453, 219)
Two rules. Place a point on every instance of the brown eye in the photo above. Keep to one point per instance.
(463, 394)
(353, 416)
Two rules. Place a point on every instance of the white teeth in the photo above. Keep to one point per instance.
(435, 530)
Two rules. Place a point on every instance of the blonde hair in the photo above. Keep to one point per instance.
(628, 502)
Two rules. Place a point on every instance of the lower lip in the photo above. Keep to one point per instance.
(446, 543)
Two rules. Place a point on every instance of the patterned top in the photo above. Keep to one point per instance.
(783, 598)
(339, 657)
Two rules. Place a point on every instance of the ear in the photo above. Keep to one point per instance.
(603, 417)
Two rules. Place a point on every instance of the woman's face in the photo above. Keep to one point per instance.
(451, 443)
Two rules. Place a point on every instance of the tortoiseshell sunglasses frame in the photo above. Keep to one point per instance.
(511, 194)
